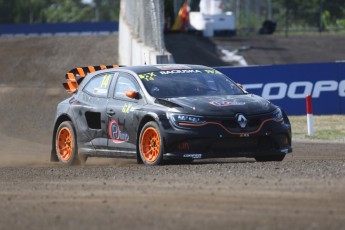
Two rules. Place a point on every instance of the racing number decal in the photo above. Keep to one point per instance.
(105, 81)
(126, 108)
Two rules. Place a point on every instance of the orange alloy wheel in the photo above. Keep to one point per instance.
(150, 144)
(65, 144)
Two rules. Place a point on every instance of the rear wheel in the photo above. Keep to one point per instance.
(66, 145)
(278, 157)
(151, 146)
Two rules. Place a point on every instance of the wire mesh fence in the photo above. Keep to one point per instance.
(145, 19)
(289, 15)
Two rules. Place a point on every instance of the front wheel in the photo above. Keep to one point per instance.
(151, 146)
(66, 145)
(278, 157)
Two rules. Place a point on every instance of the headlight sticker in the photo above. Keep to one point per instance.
(185, 118)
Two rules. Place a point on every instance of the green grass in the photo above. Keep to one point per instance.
(327, 128)
(310, 33)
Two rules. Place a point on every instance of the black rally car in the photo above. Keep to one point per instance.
(161, 112)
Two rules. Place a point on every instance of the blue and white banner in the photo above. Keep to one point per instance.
(288, 85)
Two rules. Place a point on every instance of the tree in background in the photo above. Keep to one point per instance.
(42, 11)
(249, 13)
(67, 11)
(334, 13)
(107, 10)
(300, 14)
(22, 11)
(308, 13)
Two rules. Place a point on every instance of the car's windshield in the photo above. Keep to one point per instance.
(188, 82)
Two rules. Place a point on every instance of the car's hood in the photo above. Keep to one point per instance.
(247, 104)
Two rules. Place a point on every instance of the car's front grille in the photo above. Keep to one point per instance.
(253, 123)
(230, 124)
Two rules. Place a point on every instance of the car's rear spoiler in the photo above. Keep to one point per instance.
(75, 76)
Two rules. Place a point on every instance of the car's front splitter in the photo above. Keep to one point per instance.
(227, 154)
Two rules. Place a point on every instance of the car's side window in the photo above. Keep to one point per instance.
(124, 83)
(99, 85)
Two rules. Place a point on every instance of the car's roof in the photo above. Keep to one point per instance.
(153, 68)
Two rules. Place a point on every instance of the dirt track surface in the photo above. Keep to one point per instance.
(305, 191)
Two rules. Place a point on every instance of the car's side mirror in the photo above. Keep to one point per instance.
(132, 94)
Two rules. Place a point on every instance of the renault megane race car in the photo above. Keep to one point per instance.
(156, 113)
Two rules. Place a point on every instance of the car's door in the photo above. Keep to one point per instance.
(122, 115)
(91, 111)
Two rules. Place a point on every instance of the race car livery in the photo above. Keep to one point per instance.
(157, 113)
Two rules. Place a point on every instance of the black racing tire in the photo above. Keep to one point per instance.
(151, 145)
(66, 145)
(139, 160)
(277, 157)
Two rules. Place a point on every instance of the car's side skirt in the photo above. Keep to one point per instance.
(107, 153)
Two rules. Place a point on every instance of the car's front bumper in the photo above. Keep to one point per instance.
(232, 147)
(215, 141)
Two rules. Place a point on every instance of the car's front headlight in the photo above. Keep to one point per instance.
(185, 119)
(278, 115)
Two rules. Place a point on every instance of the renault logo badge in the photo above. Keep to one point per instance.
(242, 120)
